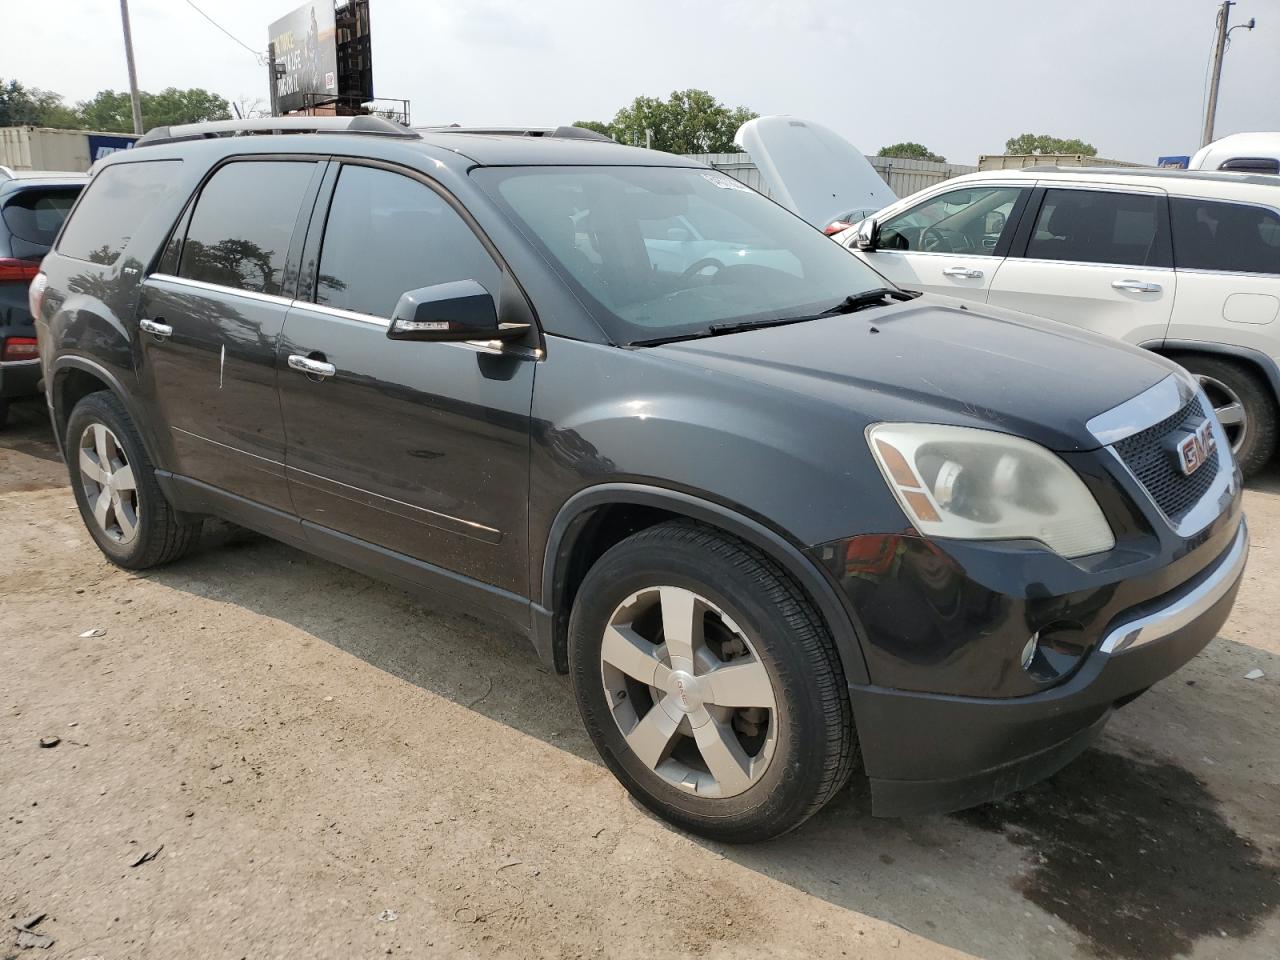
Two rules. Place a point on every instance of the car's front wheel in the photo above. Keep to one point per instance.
(709, 684)
(115, 488)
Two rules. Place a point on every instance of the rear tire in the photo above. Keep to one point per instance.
(1245, 404)
(4, 413)
(115, 488)
(742, 756)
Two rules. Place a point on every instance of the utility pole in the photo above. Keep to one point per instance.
(1219, 50)
(133, 72)
(273, 80)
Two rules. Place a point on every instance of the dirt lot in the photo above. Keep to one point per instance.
(330, 770)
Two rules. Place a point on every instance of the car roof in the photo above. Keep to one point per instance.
(1196, 181)
(375, 137)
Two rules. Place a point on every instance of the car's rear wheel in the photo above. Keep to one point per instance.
(709, 683)
(115, 488)
(1244, 404)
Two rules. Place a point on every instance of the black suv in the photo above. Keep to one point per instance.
(778, 519)
(33, 206)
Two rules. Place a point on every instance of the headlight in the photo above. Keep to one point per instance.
(980, 485)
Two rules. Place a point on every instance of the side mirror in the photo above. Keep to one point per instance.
(868, 236)
(457, 311)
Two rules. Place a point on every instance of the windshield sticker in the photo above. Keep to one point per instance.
(726, 183)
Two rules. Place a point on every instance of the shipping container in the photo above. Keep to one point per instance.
(1016, 161)
(43, 148)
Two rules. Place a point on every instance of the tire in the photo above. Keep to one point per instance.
(4, 413)
(137, 528)
(1226, 383)
(792, 755)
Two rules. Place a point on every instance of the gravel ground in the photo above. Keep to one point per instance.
(328, 769)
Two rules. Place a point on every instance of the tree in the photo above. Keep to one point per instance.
(111, 110)
(22, 106)
(910, 150)
(1038, 143)
(688, 121)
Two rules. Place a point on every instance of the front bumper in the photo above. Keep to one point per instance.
(930, 753)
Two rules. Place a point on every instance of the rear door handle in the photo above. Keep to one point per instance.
(1136, 286)
(313, 368)
(968, 273)
(156, 327)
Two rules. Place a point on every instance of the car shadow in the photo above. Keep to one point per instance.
(1128, 851)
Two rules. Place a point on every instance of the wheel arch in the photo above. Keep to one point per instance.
(596, 518)
(72, 378)
(1256, 359)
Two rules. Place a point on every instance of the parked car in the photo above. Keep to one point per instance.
(1241, 152)
(779, 520)
(1186, 264)
(33, 205)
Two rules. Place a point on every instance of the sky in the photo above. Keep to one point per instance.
(960, 76)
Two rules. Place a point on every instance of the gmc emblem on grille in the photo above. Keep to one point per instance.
(1194, 450)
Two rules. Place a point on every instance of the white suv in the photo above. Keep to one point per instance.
(1185, 263)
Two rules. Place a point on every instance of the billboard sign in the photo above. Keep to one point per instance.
(101, 146)
(1175, 162)
(306, 56)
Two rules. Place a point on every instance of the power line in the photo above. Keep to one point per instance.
(256, 53)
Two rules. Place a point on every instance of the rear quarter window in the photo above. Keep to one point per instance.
(116, 204)
(1226, 237)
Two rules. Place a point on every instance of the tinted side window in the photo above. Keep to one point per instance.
(387, 234)
(34, 216)
(1210, 235)
(117, 202)
(242, 224)
(1086, 226)
(968, 221)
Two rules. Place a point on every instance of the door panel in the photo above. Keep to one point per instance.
(951, 242)
(214, 381)
(422, 448)
(1097, 259)
(215, 318)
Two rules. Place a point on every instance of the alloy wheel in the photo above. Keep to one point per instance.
(110, 487)
(1229, 408)
(689, 693)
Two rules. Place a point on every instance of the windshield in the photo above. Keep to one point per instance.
(658, 252)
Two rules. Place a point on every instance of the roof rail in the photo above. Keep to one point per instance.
(562, 133)
(363, 124)
(5, 173)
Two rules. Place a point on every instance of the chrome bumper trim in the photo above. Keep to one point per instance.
(1183, 610)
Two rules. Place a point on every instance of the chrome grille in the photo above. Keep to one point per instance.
(1148, 454)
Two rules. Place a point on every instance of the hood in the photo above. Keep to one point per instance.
(811, 170)
(936, 360)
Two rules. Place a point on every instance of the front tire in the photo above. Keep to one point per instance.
(709, 684)
(115, 488)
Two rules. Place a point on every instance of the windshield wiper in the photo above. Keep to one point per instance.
(850, 304)
(720, 329)
(868, 298)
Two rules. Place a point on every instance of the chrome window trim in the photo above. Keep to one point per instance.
(1185, 609)
(219, 288)
(1093, 263)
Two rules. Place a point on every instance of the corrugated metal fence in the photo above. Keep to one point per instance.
(903, 176)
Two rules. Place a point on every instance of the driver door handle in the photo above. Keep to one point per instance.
(156, 327)
(968, 273)
(1135, 286)
(312, 368)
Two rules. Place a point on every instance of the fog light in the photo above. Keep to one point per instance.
(1029, 651)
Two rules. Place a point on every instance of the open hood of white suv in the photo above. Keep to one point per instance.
(811, 170)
